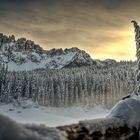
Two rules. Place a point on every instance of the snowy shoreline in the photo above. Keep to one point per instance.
(51, 116)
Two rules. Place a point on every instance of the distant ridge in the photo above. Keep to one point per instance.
(23, 54)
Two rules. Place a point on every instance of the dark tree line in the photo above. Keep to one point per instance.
(86, 86)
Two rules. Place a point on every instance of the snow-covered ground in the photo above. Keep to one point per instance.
(32, 113)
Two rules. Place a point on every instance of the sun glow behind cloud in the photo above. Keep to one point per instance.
(123, 48)
(100, 27)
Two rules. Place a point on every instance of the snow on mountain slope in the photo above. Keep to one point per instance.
(30, 112)
(22, 54)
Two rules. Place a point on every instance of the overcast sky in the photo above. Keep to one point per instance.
(100, 27)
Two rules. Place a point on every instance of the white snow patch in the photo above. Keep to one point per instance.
(48, 62)
(50, 116)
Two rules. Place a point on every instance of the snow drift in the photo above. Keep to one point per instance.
(128, 111)
(10, 130)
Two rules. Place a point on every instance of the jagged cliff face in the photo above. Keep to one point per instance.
(137, 39)
(22, 54)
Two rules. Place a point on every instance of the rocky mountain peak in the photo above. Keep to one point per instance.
(54, 52)
(19, 45)
(60, 51)
(23, 54)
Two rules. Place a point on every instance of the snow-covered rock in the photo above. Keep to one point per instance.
(127, 111)
(124, 113)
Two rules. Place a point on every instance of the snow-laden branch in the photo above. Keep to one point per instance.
(137, 39)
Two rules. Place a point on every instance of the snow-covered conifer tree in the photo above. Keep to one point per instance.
(137, 39)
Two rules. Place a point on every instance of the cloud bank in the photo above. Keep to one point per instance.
(102, 28)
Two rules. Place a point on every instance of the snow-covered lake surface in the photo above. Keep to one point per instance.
(50, 116)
